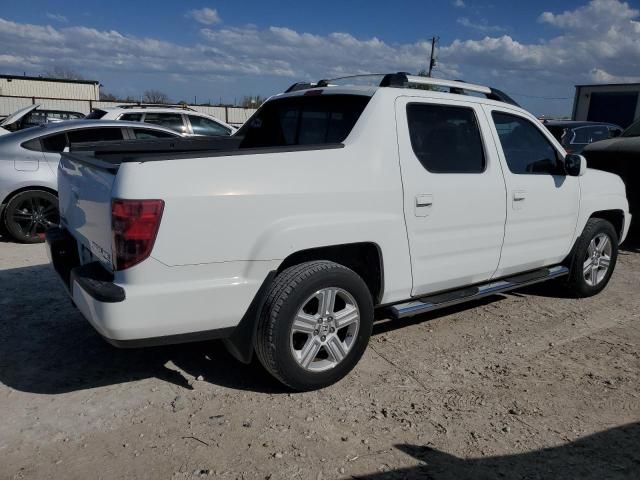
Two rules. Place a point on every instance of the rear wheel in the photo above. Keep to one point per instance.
(594, 258)
(315, 324)
(29, 214)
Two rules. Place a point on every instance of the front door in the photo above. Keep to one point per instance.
(454, 192)
(542, 201)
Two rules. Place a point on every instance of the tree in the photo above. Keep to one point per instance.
(63, 73)
(155, 96)
(252, 102)
(108, 97)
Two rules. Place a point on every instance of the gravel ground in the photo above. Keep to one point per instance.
(524, 385)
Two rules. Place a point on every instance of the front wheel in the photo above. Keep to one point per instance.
(29, 214)
(315, 324)
(594, 258)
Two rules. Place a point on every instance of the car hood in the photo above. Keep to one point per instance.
(18, 114)
(623, 145)
(3, 131)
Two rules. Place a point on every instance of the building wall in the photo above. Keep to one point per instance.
(48, 89)
(583, 97)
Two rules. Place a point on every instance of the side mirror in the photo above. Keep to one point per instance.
(575, 165)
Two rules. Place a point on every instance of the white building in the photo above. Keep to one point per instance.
(617, 103)
(53, 88)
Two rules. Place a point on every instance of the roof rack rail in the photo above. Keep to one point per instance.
(406, 80)
(156, 105)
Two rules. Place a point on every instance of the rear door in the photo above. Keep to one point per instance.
(542, 201)
(172, 121)
(454, 192)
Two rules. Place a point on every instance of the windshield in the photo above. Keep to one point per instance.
(556, 131)
(632, 131)
(96, 114)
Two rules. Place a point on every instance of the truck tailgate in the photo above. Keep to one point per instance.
(84, 192)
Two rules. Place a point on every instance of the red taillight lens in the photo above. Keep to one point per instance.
(134, 226)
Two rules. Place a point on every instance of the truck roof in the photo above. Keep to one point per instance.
(369, 84)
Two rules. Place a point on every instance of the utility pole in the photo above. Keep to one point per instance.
(432, 60)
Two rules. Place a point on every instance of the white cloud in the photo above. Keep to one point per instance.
(458, 3)
(57, 17)
(481, 26)
(205, 16)
(596, 42)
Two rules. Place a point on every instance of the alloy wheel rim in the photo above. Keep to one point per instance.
(34, 215)
(598, 259)
(325, 329)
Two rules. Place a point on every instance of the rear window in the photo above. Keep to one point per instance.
(303, 120)
(96, 114)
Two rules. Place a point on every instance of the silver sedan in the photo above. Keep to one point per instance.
(28, 169)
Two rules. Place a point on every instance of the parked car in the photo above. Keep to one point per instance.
(28, 170)
(183, 120)
(33, 115)
(574, 135)
(621, 156)
(329, 203)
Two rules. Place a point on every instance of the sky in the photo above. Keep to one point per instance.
(536, 51)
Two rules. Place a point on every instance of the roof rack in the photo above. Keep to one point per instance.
(406, 80)
(155, 105)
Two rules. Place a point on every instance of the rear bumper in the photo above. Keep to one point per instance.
(160, 305)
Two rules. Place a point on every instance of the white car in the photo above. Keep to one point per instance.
(183, 120)
(331, 202)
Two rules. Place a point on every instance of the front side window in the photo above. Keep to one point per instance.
(585, 135)
(526, 149)
(446, 139)
(172, 121)
(205, 126)
(632, 131)
(303, 120)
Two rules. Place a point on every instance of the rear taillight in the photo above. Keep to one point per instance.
(134, 226)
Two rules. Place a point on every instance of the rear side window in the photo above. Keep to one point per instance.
(95, 135)
(205, 126)
(131, 117)
(303, 120)
(96, 114)
(146, 134)
(54, 143)
(172, 121)
(525, 148)
(446, 139)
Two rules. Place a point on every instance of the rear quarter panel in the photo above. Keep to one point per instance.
(264, 207)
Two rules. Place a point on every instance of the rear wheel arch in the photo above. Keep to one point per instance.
(364, 258)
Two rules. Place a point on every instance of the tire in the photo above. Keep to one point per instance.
(300, 346)
(587, 276)
(29, 214)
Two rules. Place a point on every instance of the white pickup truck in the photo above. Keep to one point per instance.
(332, 204)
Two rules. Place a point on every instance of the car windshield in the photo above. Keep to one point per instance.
(556, 131)
(632, 131)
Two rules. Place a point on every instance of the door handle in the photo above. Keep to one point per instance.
(423, 205)
(519, 195)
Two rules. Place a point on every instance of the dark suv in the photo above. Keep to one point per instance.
(574, 136)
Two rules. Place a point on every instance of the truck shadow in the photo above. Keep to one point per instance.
(48, 347)
(611, 454)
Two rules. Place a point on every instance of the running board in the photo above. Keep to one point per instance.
(442, 300)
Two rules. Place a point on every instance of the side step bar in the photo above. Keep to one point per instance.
(442, 300)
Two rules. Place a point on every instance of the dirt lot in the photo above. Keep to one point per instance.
(524, 385)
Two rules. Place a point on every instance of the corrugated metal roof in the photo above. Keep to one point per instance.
(48, 79)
